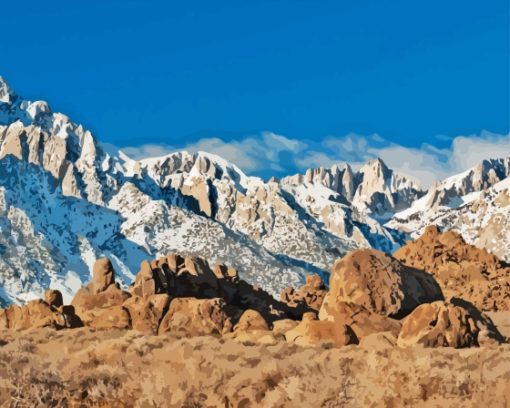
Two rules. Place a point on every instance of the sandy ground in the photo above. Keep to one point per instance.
(84, 367)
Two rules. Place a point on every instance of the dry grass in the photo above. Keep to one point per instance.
(83, 367)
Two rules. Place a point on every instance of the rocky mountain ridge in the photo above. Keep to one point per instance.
(66, 200)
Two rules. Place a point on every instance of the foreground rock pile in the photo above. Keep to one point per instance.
(462, 270)
(373, 298)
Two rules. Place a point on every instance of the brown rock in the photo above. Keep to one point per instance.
(251, 320)
(53, 298)
(380, 283)
(85, 299)
(310, 332)
(187, 276)
(196, 317)
(103, 275)
(38, 314)
(362, 321)
(310, 295)
(442, 324)
(147, 312)
(462, 270)
(284, 325)
(4, 323)
(115, 317)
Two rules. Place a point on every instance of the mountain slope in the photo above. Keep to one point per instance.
(66, 200)
(475, 203)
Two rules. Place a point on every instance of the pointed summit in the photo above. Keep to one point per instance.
(6, 93)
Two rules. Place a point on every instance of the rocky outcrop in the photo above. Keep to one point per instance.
(147, 312)
(362, 321)
(312, 332)
(308, 296)
(40, 313)
(380, 283)
(197, 317)
(442, 324)
(100, 303)
(185, 276)
(462, 270)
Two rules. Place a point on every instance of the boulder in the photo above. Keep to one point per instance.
(444, 324)
(284, 325)
(115, 317)
(380, 283)
(146, 312)
(99, 304)
(362, 321)
(38, 314)
(86, 300)
(251, 327)
(251, 320)
(461, 269)
(310, 295)
(103, 275)
(311, 332)
(196, 317)
(54, 298)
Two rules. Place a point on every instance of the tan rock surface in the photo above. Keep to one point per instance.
(462, 270)
(362, 321)
(311, 332)
(195, 317)
(147, 312)
(380, 283)
(442, 324)
(310, 295)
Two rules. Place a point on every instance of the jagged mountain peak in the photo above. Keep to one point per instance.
(6, 93)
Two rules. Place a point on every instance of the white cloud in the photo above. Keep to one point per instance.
(270, 154)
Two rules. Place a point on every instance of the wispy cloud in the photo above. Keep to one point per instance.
(270, 154)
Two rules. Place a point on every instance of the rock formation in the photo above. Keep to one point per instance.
(462, 270)
(441, 324)
(312, 332)
(378, 282)
(308, 296)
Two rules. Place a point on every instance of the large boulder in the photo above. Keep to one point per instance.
(312, 332)
(309, 296)
(380, 283)
(197, 317)
(103, 275)
(146, 312)
(447, 324)
(461, 269)
(362, 321)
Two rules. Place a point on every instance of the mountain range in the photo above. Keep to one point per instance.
(67, 200)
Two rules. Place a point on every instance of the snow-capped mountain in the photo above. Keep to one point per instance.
(475, 203)
(374, 189)
(65, 200)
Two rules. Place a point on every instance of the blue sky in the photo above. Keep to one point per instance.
(174, 74)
